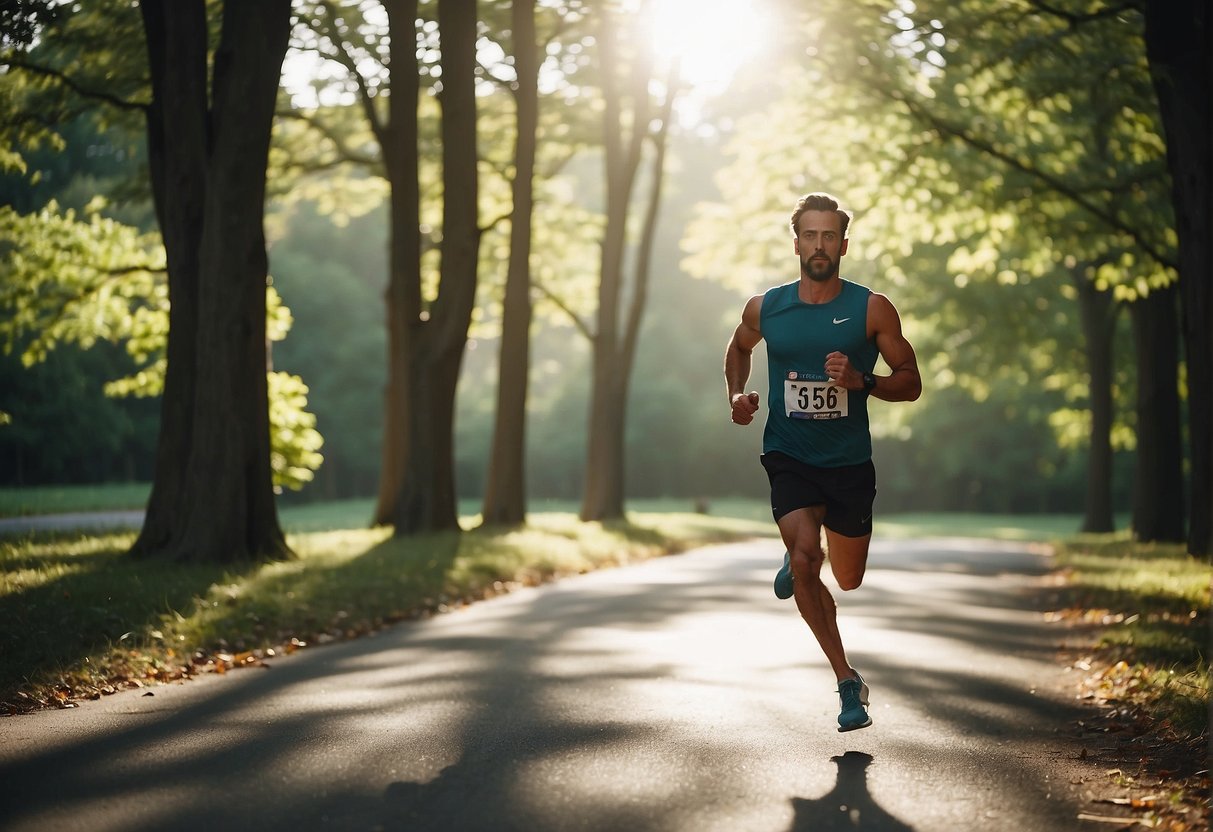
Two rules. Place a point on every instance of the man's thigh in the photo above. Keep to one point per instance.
(848, 557)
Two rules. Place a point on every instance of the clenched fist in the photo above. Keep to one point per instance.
(745, 405)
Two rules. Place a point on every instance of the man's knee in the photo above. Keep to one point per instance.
(849, 581)
(848, 561)
(807, 560)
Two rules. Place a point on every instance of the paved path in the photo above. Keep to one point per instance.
(76, 521)
(678, 694)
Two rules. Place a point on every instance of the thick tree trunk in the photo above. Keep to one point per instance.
(1158, 505)
(225, 510)
(177, 129)
(505, 484)
(1180, 50)
(399, 143)
(1098, 312)
(427, 492)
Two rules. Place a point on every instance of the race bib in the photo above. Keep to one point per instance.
(803, 399)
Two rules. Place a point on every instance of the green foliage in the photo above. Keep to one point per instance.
(21, 21)
(86, 58)
(76, 281)
(62, 428)
(294, 441)
(333, 277)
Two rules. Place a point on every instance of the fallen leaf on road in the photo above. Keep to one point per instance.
(1146, 802)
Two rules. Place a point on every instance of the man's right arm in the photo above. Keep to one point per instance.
(738, 360)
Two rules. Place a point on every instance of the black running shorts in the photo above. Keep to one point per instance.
(847, 492)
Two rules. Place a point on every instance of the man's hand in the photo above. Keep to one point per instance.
(840, 371)
(745, 405)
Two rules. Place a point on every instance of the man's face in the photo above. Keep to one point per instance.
(820, 245)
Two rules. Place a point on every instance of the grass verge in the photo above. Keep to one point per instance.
(1141, 612)
(56, 499)
(82, 620)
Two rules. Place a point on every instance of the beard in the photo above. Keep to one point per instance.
(818, 270)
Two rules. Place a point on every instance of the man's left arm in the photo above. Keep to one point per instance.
(904, 384)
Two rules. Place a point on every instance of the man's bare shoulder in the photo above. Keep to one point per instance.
(749, 330)
(881, 311)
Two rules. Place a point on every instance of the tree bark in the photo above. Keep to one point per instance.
(426, 501)
(223, 508)
(1180, 51)
(178, 124)
(1098, 312)
(398, 140)
(1158, 492)
(614, 345)
(505, 483)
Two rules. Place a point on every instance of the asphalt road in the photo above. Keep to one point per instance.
(678, 694)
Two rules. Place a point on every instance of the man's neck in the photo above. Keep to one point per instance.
(813, 291)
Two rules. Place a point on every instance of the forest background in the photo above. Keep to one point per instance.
(1006, 162)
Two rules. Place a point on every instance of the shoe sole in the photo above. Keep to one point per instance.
(842, 729)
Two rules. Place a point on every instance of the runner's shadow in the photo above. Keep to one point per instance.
(848, 806)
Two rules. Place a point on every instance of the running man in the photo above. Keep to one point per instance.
(823, 337)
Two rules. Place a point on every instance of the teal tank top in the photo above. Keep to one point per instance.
(807, 418)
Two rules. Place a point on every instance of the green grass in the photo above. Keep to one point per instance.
(58, 499)
(1017, 527)
(1151, 602)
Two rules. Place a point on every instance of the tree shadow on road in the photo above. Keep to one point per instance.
(517, 719)
(848, 806)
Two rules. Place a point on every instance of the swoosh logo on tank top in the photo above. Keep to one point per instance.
(841, 320)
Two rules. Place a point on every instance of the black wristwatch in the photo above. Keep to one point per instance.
(869, 382)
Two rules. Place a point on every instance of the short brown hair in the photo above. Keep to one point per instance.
(820, 202)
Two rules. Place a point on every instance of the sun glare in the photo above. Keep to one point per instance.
(710, 39)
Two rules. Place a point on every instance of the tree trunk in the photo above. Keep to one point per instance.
(177, 126)
(605, 451)
(399, 143)
(505, 484)
(1098, 312)
(1158, 505)
(427, 492)
(224, 509)
(1180, 50)
(615, 346)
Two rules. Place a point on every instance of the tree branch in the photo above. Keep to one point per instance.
(496, 221)
(344, 153)
(344, 58)
(1074, 19)
(1057, 184)
(72, 84)
(581, 325)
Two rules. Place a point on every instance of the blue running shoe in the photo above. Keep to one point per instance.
(783, 578)
(853, 715)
